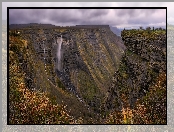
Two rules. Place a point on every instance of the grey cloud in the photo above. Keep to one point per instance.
(94, 12)
(64, 17)
(141, 16)
(61, 16)
(132, 13)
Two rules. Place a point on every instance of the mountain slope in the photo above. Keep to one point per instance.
(89, 69)
(116, 31)
(141, 77)
(75, 64)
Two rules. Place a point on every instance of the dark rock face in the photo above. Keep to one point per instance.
(94, 66)
(89, 57)
(144, 59)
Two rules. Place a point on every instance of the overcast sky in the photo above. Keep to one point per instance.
(114, 17)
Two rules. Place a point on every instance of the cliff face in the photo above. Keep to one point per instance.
(80, 60)
(92, 71)
(143, 61)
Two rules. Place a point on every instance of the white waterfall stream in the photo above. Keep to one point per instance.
(59, 53)
(59, 68)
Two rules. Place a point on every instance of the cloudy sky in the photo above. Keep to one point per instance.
(114, 17)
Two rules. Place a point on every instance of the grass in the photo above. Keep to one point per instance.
(31, 107)
(26, 106)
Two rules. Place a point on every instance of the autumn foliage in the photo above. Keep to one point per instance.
(26, 106)
(33, 107)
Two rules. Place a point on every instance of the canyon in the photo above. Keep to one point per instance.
(88, 67)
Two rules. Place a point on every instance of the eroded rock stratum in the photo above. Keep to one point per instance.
(89, 68)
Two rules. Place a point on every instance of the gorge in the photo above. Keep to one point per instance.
(90, 69)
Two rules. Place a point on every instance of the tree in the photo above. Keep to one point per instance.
(148, 28)
(141, 27)
(160, 28)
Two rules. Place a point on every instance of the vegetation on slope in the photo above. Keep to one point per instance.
(30, 107)
(25, 105)
(101, 53)
(149, 91)
(151, 109)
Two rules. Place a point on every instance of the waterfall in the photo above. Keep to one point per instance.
(59, 53)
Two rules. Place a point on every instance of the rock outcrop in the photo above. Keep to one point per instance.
(89, 69)
(143, 61)
(89, 57)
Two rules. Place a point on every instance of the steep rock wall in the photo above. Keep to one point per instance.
(143, 61)
(89, 57)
